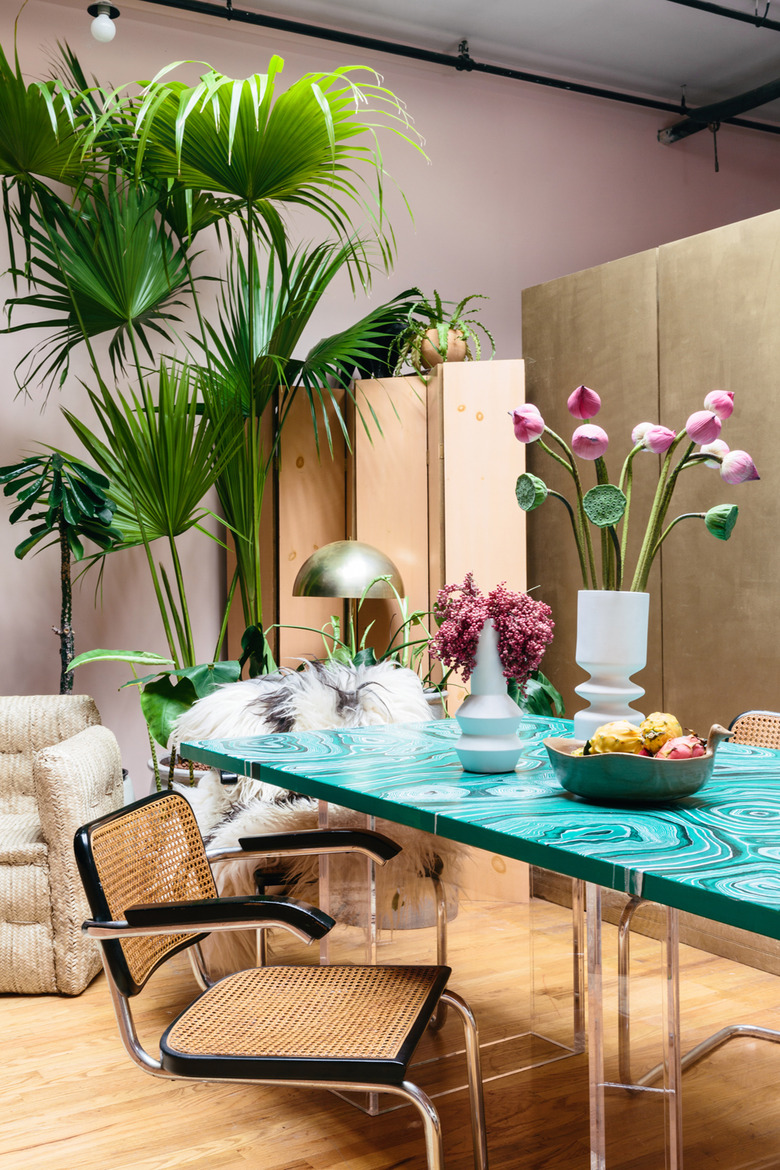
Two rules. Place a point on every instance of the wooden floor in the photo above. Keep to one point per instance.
(71, 1100)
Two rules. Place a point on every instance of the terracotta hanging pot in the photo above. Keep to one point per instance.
(456, 348)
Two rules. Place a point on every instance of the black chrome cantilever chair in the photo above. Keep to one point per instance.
(152, 894)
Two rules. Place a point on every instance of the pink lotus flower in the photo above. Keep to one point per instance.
(684, 747)
(584, 402)
(737, 467)
(639, 432)
(720, 402)
(658, 439)
(589, 442)
(717, 447)
(528, 423)
(703, 426)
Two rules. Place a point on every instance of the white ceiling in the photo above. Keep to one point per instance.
(647, 47)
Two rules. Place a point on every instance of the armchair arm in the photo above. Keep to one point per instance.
(215, 914)
(308, 842)
(75, 781)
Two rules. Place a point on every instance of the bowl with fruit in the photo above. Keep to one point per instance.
(643, 763)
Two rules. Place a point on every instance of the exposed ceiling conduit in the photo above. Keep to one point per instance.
(718, 112)
(462, 62)
(731, 14)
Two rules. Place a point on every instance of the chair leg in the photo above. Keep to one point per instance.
(474, 1065)
(434, 1149)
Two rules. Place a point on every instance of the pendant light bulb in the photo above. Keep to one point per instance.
(103, 28)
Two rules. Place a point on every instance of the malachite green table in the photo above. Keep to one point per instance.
(716, 854)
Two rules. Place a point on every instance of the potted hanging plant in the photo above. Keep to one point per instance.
(439, 331)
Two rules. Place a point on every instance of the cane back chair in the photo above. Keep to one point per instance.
(152, 894)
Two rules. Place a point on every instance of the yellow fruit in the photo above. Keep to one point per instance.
(619, 736)
(658, 728)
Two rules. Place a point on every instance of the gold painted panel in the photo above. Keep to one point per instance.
(597, 328)
(719, 298)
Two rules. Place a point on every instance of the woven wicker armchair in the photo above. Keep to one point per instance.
(152, 893)
(58, 767)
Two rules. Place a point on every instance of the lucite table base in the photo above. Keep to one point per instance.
(523, 1041)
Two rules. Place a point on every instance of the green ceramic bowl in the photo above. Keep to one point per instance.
(618, 776)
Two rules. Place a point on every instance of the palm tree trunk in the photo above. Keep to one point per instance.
(67, 648)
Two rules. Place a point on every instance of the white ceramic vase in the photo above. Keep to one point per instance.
(611, 646)
(488, 717)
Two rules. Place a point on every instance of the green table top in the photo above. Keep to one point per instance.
(716, 853)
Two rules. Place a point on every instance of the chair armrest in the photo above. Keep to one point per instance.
(215, 914)
(306, 842)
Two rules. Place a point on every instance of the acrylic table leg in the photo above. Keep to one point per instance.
(578, 960)
(598, 1157)
(671, 1055)
(324, 882)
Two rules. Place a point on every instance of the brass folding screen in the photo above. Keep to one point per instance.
(653, 333)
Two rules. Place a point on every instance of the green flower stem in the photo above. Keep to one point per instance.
(607, 550)
(677, 519)
(626, 483)
(583, 531)
(577, 541)
(661, 502)
(617, 555)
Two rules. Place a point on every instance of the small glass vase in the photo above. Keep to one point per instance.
(488, 717)
(611, 646)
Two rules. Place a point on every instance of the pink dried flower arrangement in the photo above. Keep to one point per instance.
(524, 627)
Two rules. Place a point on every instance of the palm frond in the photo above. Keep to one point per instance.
(313, 145)
(102, 265)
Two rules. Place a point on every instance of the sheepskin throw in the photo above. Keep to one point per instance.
(324, 695)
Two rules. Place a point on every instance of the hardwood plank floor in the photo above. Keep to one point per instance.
(71, 1099)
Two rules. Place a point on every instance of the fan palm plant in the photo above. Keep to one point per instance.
(149, 170)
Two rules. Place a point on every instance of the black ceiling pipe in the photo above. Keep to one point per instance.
(462, 62)
(719, 111)
(730, 13)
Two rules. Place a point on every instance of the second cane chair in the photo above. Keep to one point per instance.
(151, 893)
(752, 729)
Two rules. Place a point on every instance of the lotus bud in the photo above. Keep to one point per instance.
(703, 426)
(584, 402)
(684, 747)
(639, 432)
(589, 442)
(657, 729)
(530, 491)
(528, 423)
(721, 519)
(658, 439)
(618, 736)
(720, 402)
(717, 447)
(738, 467)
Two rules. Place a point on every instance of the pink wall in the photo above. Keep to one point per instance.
(524, 184)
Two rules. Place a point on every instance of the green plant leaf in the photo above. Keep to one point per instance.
(163, 701)
(144, 657)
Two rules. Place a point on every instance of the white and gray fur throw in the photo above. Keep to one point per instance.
(324, 695)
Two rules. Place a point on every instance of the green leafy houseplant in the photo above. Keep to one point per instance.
(151, 171)
(73, 506)
(428, 330)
